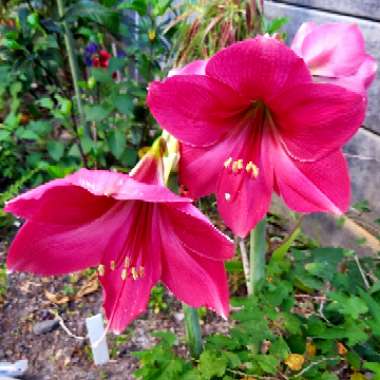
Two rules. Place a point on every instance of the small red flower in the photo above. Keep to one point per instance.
(101, 59)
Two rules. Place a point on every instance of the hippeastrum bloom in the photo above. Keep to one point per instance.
(135, 230)
(335, 53)
(254, 123)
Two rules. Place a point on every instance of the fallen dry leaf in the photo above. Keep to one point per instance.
(91, 286)
(57, 299)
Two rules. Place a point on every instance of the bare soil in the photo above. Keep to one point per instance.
(56, 355)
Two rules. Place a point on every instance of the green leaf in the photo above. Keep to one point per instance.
(267, 363)
(275, 25)
(41, 127)
(354, 359)
(46, 103)
(56, 149)
(281, 251)
(210, 365)
(117, 142)
(374, 288)
(87, 144)
(26, 134)
(279, 349)
(167, 338)
(116, 64)
(4, 135)
(161, 7)
(96, 113)
(328, 376)
(124, 104)
(140, 6)
(91, 10)
(102, 76)
(373, 367)
(347, 305)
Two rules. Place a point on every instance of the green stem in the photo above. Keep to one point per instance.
(193, 331)
(72, 61)
(257, 255)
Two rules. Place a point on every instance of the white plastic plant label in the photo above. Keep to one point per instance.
(98, 341)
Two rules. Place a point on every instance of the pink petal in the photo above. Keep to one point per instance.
(326, 55)
(305, 29)
(316, 119)
(55, 248)
(149, 170)
(244, 200)
(197, 234)
(125, 297)
(125, 300)
(122, 187)
(60, 203)
(205, 165)
(194, 279)
(321, 186)
(367, 71)
(358, 82)
(258, 68)
(197, 67)
(196, 109)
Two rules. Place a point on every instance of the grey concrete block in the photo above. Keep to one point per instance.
(358, 8)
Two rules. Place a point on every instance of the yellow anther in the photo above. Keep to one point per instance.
(237, 165)
(113, 265)
(227, 163)
(101, 270)
(124, 274)
(251, 167)
(141, 271)
(135, 275)
(127, 262)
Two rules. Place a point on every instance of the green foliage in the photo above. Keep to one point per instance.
(40, 125)
(206, 26)
(311, 318)
(157, 299)
(160, 362)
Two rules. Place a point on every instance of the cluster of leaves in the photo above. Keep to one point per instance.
(41, 131)
(212, 25)
(315, 317)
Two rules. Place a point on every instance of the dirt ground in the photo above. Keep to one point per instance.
(56, 355)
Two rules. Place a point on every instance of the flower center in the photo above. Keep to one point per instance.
(128, 262)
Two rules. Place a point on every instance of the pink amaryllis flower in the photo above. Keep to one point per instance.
(335, 53)
(254, 123)
(134, 229)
